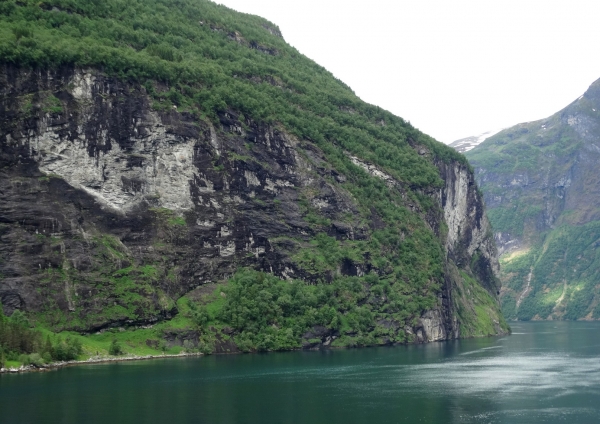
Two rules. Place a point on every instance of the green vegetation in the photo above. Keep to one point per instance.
(23, 345)
(541, 187)
(52, 105)
(190, 47)
(477, 310)
(512, 218)
(565, 269)
(271, 314)
(115, 348)
(207, 60)
(114, 275)
(267, 313)
(168, 217)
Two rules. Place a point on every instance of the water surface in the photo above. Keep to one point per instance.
(546, 372)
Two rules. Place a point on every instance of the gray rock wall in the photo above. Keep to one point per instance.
(178, 194)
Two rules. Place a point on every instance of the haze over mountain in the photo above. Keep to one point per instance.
(542, 189)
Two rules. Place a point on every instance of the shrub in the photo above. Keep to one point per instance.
(199, 314)
(24, 359)
(47, 357)
(36, 360)
(68, 349)
(115, 348)
(206, 345)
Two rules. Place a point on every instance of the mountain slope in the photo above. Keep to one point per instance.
(162, 160)
(542, 190)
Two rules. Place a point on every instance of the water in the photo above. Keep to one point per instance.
(546, 372)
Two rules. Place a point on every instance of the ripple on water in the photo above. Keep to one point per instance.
(558, 375)
(554, 415)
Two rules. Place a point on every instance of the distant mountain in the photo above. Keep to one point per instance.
(465, 144)
(542, 189)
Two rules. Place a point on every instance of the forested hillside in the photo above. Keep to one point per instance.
(175, 176)
(542, 190)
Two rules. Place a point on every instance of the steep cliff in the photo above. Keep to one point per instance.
(541, 188)
(131, 202)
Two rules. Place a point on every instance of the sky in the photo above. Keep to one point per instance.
(453, 68)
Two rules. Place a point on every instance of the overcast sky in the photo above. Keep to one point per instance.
(452, 68)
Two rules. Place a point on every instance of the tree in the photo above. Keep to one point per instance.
(19, 318)
(48, 348)
(115, 348)
(199, 314)
(21, 32)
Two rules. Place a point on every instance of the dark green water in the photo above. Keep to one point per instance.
(544, 373)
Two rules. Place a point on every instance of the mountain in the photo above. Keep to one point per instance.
(468, 143)
(542, 190)
(174, 175)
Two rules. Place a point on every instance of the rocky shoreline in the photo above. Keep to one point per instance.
(93, 360)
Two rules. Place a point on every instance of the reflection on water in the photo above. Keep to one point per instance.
(559, 374)
(543, 373)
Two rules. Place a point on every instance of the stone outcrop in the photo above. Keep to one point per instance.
(469, 245)
(469, 232)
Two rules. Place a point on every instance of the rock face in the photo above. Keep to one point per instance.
(469, 244)
(541, 188)
(469, 231)
(111, 211)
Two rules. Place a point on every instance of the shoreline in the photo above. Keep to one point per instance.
(104, 359)
(93, 360)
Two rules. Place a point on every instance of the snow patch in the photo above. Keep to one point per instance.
(465, 144)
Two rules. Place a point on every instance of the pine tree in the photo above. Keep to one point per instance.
(115, 348)
(48, 348)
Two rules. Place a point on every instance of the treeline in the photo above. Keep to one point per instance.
(19, 342)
